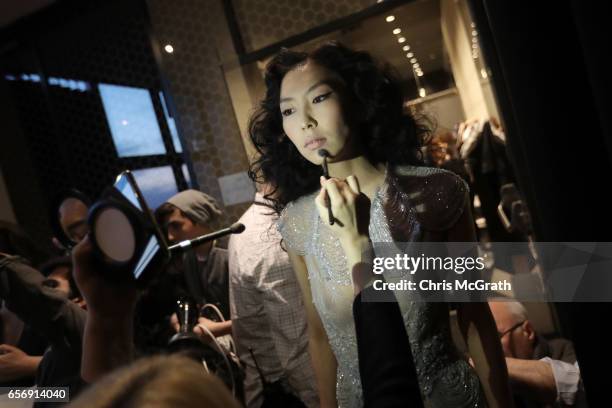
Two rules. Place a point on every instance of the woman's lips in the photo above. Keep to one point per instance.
(315, 144)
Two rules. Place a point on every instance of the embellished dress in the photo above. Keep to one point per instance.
(421, 203)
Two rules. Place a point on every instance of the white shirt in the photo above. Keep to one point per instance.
(567, 379)
(267, 311)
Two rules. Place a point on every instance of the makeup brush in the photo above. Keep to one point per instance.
(325, 154)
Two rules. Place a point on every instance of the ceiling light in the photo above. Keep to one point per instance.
(410, 55)
(401, 40)
(413, 60)
(390, 19)
(422, 92)
(406, 48)
(397, 31)
(169, 49)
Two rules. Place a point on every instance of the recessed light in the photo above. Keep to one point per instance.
(390, 19)
(397, 31)
(410, 55)
(406, 48)
(169, 49)
(401, 40)
(413, 60)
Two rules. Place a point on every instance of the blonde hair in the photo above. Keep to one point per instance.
(161, 381)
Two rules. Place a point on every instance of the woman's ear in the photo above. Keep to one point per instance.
(529, 330)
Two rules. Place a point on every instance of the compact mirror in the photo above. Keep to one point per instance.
(69, 218)
(114, 234)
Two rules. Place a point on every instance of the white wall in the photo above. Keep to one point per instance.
(458, 45)
(444, 108)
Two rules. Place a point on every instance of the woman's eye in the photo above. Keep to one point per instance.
(321, 98)
(286, 112)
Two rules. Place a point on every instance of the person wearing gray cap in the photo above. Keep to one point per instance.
(188, 215)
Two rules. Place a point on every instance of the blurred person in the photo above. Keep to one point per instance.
(16, 365)
(268, 317)
(21, 347)
(157, 382)
(188, 215)
(52, 307)
(58, 273)
(108, 345)
(542, 372)
(19, 361)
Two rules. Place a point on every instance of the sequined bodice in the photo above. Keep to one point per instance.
(446, 380)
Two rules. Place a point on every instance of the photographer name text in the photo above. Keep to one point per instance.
(429, 285)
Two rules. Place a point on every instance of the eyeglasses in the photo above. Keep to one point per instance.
(501, 335)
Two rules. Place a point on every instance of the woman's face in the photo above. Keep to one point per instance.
(312, 114)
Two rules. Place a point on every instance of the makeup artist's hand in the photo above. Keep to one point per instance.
(108, 339)
(105, 299)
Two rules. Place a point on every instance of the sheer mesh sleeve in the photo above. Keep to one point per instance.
(295, 224)
(437, 196)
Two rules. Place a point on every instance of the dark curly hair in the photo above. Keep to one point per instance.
(388, 133)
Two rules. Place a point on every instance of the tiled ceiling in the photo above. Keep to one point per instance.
(419, 22)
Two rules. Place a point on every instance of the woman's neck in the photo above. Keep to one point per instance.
(369, 177)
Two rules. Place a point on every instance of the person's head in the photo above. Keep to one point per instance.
(58, 272)
(516, 333)
(187, 215)
(72, 216)
(333, 98)
(160, 382)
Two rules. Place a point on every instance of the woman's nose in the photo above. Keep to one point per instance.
(308, 122)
